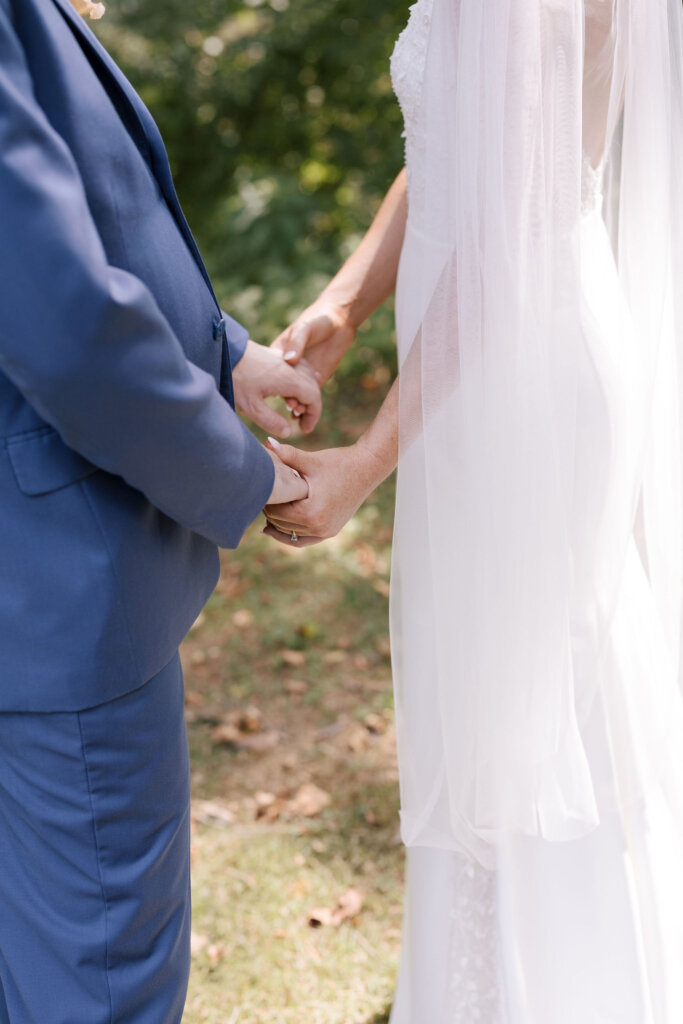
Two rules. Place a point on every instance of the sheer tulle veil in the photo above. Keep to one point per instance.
(507, 564)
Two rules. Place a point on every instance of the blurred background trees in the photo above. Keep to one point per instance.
(283, 134)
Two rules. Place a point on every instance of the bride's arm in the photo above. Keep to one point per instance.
(326, 329)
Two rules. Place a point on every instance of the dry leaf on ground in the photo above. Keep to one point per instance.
(309, 800)
(251, 719)
(296, 687)
(197, 943)
(211, 812)
(269, 807)
(293, 658)
(243, 618)
(349, 905)
(376, 723)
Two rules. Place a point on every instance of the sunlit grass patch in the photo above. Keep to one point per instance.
(294, 647)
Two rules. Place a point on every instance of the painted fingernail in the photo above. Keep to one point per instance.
(295, 412)
(286, 431)
(290, 355)
(274, 443)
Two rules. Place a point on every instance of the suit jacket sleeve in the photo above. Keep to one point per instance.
(87, 345)
(237, 337)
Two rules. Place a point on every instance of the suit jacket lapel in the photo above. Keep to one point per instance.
(137, 119)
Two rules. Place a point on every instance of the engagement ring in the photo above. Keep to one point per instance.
(293, 537)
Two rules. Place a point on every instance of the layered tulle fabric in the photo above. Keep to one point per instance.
(531, 457)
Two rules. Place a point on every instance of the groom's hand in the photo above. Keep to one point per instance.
(288, 485)
(262, 373)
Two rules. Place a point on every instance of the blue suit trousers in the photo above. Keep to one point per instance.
(94, 861)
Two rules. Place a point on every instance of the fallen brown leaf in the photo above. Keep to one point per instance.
(230, 734)
(211, 812)
(335, 657)
(293, 658)
(296, 687)
(358, 739)
(319, 916)
(251, 719)
(226, 732)
(197, 943)
(215, 952)
(383, 645)
(309, 800)
(243, 619)
(260, 742)
(269, 807)
(349, 906)
(375, 723)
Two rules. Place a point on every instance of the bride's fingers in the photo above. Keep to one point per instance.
(288, 511)
(285, 538)
(286, 527)
(296, 408)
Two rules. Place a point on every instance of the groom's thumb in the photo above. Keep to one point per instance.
(288, 454)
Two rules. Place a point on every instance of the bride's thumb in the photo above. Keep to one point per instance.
(288, 454)
(299, 337)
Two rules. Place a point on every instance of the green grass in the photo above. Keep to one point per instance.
(256, 959)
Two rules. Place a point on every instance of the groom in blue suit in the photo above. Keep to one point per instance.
(123, 465)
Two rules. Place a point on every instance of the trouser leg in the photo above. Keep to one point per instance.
(94, 861)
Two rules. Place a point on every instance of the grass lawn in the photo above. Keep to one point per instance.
(295, 794)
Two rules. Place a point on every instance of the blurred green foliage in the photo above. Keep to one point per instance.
(283, 134)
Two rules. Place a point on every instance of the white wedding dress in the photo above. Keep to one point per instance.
(590, 930)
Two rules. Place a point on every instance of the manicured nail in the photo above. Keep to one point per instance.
(274, 443)
(290, 355)
(294, 412)
(286, 431)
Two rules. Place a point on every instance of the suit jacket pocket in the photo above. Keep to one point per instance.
(43, 463)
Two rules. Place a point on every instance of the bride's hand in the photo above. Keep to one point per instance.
(324, 332)
(339, 480)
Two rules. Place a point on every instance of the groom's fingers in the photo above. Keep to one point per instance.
(269, 420)
(305, 391)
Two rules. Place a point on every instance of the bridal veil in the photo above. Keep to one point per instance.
(530, 461)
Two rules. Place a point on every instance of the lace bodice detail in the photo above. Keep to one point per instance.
(407, 72)
(408, 63)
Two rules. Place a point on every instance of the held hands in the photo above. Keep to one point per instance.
(338, 480)
(324, 332)
(262, 373)
(288, 486)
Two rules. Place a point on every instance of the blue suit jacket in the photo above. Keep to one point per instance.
(122, 461)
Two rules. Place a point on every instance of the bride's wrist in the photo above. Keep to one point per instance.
(348, 306)
(373, 466)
